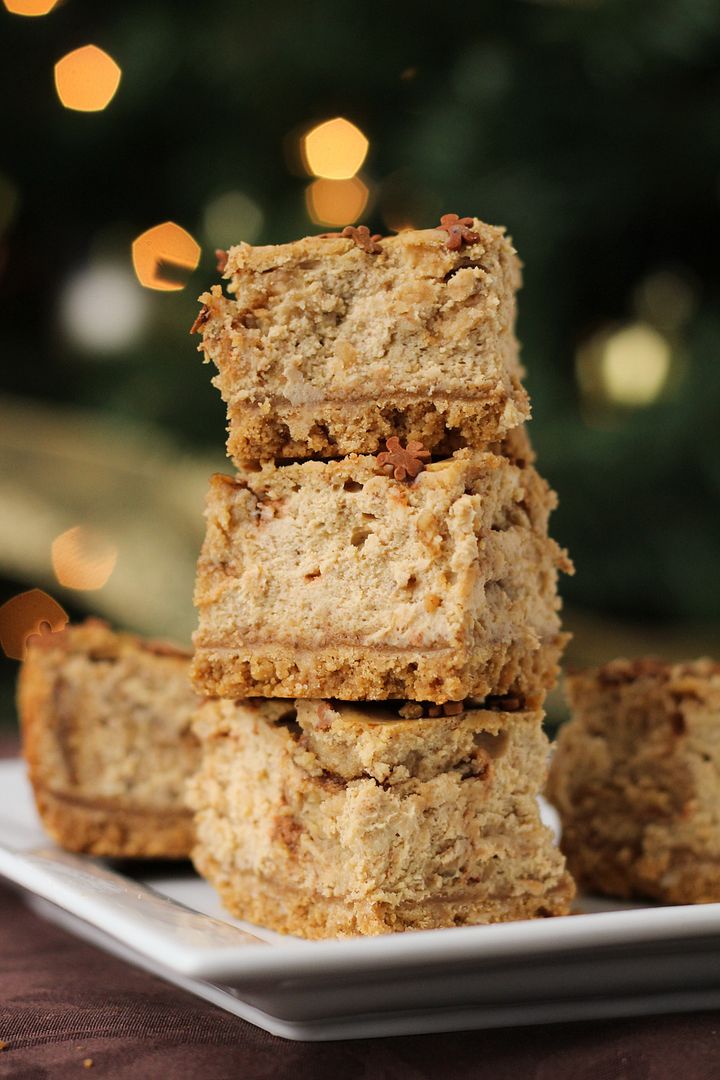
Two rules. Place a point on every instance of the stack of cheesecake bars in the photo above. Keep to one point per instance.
(377, 595)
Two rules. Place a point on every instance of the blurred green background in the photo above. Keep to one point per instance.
(590, 129)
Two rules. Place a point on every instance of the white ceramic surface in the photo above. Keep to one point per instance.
(613, 960)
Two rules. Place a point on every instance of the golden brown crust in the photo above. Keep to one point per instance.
(287, 911)
(636, 780)
(366, 674)
(113, 831)
(105, 721)
(325, 349)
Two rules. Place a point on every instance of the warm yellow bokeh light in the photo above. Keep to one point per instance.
(334, 150)
(30, 7)
(165, 256)
(336, 202)
(627, 366)
(86, 79)
(635, 365)
(83, 558)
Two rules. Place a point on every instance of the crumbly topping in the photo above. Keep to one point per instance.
(202, 318)
(222, 258)
(403, 462)
(459, 231)
(362, 237)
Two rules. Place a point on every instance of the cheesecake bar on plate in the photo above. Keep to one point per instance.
(636, 780)
(106, 726)
(329, 345)
(335, 579)
(328, 820)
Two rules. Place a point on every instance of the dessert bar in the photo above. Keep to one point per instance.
(106, 725)
(635, 780)
(331, 344)
(335, 579)
(326, 820)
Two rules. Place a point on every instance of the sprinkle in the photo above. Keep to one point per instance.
(362, 237)
(404, 462)
(458, 230)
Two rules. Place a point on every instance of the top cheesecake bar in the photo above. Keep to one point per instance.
(328, 345)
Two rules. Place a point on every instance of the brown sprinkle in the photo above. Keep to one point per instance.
(202, 318)
(403, 462)
(222, 258)
(87, 1063)
(362, 237)
(459, 231)
(504, 703)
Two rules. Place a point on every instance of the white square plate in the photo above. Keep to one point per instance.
(612, 960)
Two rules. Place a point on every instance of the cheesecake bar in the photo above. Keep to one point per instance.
(636, 780)
(329, 345)
(106, 725)
(335, 579)
(330, 820)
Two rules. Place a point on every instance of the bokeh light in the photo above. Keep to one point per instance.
(336, 202)
(30, 7)
(666, 299)
(28, 613)
(165, 256)
(230, 218)
(334, 150)
(629, 366)
(87, 79)
(83, 558)
(103, 309)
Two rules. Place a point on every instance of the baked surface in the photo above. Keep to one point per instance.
(636, 780)
(323, 349)
(332, 820)
(106, 725)
(333, 579)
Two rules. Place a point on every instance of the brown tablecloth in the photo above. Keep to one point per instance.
(63, 1001)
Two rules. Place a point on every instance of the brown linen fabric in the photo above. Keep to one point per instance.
(62, 1001)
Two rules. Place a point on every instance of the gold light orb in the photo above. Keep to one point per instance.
(30, 7)
(635, 365)
(86, 79)
(627, 366)
(83, 558)
(165, 256)
(336, 202)
(334, 149)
